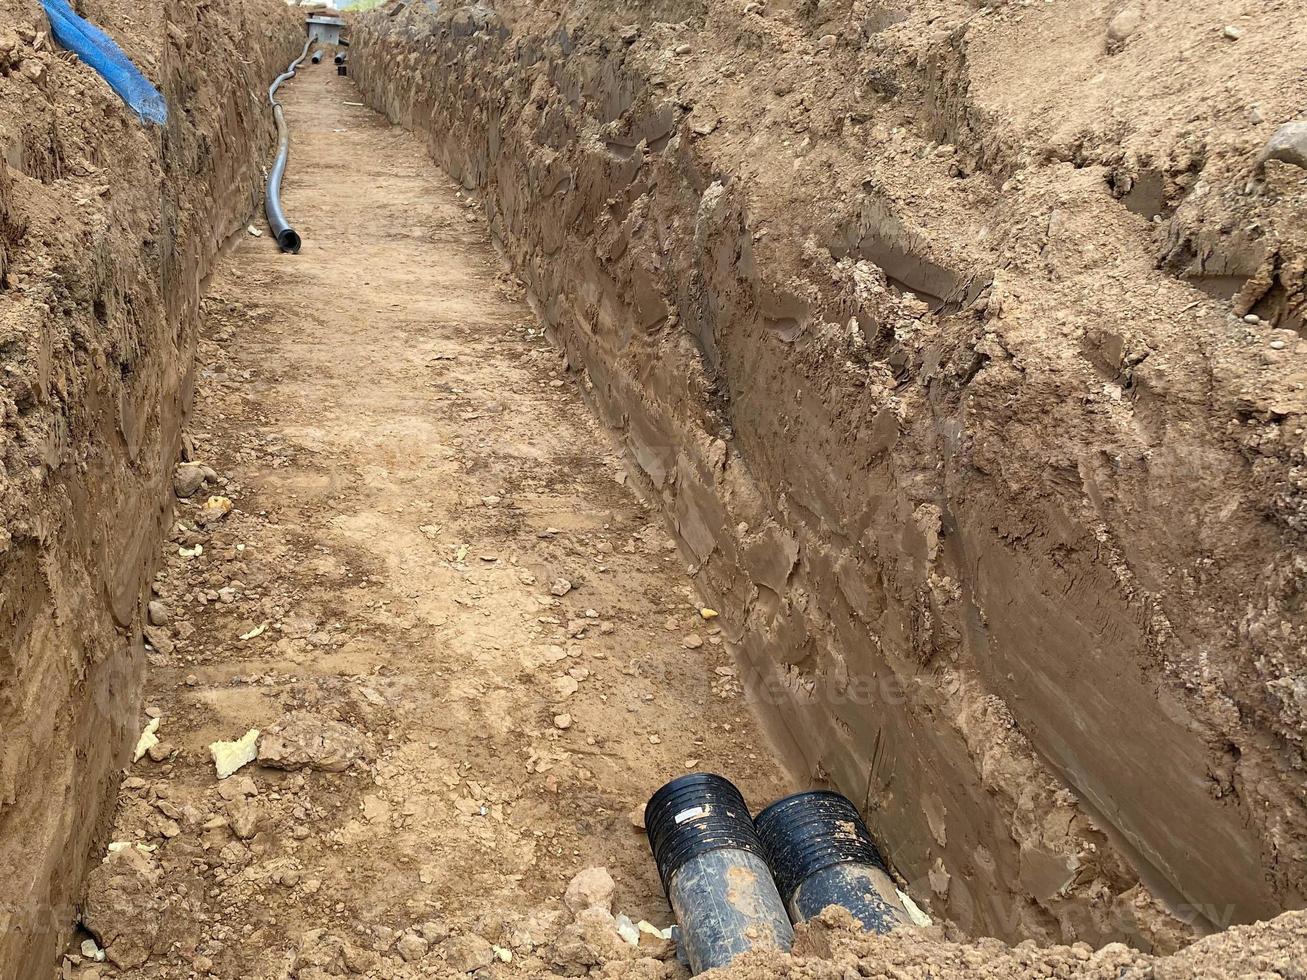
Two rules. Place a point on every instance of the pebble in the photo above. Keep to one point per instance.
(693, 641)
(1288, 145)
(434, 932)
(243, 817)
(158, 613)
(682, 49)
(188, 478)
(706, 125)
(563, 722)
(159, 639)
(237, 788)
(1232, 33)
(636, 816)
(468, 953)
(306, 740)
(213, 510)
(159, 751)
(560, 587)
(1277, 345)
(1124, 24)
(412, 947)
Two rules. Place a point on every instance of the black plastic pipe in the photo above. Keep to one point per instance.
(822, 854)
(714, 871)
(317, 57)
(340, 57)
(288, 240)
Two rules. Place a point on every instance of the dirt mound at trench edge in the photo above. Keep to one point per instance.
(901, 325)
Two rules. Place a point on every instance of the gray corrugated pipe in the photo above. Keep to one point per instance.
(288, 240)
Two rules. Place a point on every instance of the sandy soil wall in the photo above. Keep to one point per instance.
(106, 230)
(1004, 513)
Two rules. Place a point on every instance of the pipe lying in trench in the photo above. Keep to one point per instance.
(288, 240)
(822, 854)
(714, 871)
(317, 57)
(736, 884)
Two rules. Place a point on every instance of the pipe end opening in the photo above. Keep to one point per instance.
(289, 241)
(809, 832)
(696, 813)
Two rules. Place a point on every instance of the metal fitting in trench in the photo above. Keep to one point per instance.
(822, 854)
(714, 871)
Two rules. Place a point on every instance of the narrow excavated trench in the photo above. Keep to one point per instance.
(807, 393)
(433, 567)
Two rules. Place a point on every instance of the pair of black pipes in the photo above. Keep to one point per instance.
(738, 884)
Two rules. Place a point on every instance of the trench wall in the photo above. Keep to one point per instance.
(106, 230)
(960, 572)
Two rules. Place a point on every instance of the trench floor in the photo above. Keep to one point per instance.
(413, 472)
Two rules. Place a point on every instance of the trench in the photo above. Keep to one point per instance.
(901, 636)
(556, 464)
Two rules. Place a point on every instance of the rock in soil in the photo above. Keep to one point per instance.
(591, 888)
(466, 954)
(310, 741)
(123, 900)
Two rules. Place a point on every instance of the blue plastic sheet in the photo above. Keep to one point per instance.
(102, 53)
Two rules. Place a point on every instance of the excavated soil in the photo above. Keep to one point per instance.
(904, 398)
(960, 345)
(469, 647)
(106, 229)
(434, 574)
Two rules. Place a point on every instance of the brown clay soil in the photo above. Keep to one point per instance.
(447, 739)
(106, 228)
(414, 480)
(961, 344)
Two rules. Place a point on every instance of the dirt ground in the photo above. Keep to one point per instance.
(433, 561)
(106, 228)
(960, 342)
(411, 568)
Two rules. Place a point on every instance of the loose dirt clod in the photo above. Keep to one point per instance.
(591, 888)
(309, 741)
